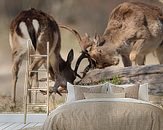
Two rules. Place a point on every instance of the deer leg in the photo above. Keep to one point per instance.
(17, 60)
(159, 52)
(126, 60)
(35, 84)
(52, 76)
(59, 80)
(140, 59)
(136, 50)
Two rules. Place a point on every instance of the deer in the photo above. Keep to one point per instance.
(40, 28)
(134, 29)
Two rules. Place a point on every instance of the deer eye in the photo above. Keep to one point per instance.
(101, 43)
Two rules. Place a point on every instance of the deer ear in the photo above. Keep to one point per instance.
(70, 56)
(102, 41)
(97, 37)
(86, 34)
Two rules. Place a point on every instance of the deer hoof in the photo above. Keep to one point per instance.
(45, 92)
(55, 90)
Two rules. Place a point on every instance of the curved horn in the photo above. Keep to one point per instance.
(83, 55)
(92, 63)
(84, 45)
(73, 31)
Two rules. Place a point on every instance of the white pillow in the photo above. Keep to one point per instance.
(81, 89)
(143, 92)
(130, 90)
(103, 95)
(71, 93)
(122, 85)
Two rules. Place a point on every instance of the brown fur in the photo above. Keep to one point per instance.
(48, 31)
(133, 31)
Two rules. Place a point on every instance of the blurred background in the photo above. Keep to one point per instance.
(84, 15)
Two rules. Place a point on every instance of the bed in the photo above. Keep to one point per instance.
(105, 114)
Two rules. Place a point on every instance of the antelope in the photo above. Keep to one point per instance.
(40, 28)
(134, 29)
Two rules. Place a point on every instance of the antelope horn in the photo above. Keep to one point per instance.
(83, 55)
(73, 31)
(92, 64)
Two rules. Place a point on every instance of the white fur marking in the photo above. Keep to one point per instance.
(40, 36)
(10, 40)
(35, 24)
(24, 30)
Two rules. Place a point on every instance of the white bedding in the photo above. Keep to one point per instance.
(106, 114)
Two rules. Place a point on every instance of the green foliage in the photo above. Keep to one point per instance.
(114, 80)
